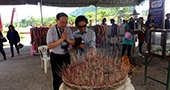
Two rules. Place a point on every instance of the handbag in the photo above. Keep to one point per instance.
(20, 45)
(128, 36)
(113, 40)
(3, 39)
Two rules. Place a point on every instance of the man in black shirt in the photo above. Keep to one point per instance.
(1, 46)
(167, 21)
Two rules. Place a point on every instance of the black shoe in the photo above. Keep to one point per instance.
(5, 58)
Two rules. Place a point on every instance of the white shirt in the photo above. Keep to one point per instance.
(52, 36)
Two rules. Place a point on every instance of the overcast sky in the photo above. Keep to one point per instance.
(24, 11)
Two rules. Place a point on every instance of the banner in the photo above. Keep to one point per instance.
(13, 10)
(156, 9)
(1, 28)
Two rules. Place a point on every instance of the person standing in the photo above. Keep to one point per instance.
(1, 46)
(167, 21)
(13, 37)
(124, 22)
(87, 44)
(58, 39)
(150, 24)
(141, 36)
(128, 38)
(114, 34)
(104, 21)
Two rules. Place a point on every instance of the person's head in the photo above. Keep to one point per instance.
(11, 27)
(112, 21)
(104, 20)
(131, 19)
(168, 15)
(150, 17)
(81, 22)
(141, 19)
(61, 19)
(124, 21)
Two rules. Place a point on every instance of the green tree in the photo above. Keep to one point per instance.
(71, 19)
(28, 22)
(123, 13)
(7, 24)
(22, 23)
(49, 21)
(102, 14)
(90, 16)
(107, 13)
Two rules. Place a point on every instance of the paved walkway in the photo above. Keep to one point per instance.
(23, 72)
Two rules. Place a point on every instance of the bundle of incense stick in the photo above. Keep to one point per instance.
(97, 70)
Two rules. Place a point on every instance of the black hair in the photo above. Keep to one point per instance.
(149, 16)
(13, 28)
(167, 14)
(131, 18)
(104, 19)
(112, 21)
(61, 15)
(81, 18)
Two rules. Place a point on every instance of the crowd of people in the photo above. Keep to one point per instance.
(83, 40)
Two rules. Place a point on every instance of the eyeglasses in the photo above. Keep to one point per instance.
(82, 26)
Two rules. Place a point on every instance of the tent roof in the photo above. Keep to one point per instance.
(74, 3)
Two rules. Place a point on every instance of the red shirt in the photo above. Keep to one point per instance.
(141, 37)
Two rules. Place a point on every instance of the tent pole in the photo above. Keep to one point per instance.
(96, 10)
(96, 15)
(41, 12)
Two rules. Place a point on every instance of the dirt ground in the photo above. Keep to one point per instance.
(24, 72)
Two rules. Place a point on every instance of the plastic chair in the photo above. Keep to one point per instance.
(45, 58)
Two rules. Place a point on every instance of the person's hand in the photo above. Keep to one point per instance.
(50, 46)
(91, 52)
(64, 35)
(91, 49)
